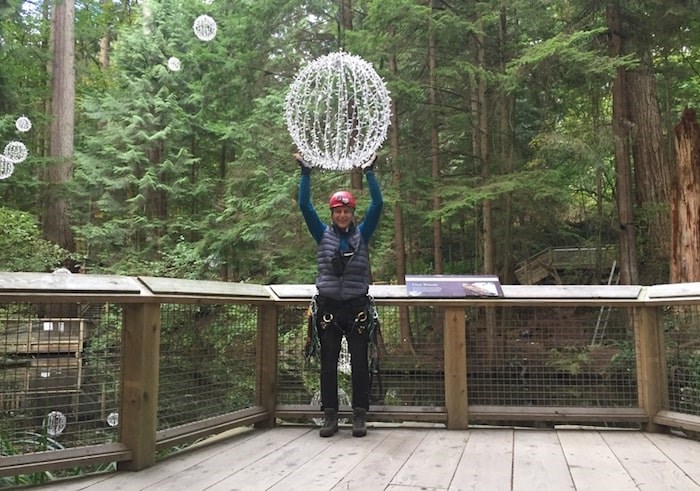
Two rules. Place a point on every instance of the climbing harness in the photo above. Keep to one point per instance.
(366, 323)
(373, 352)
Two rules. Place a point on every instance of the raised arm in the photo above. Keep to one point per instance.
(313, 222)
(374, 212)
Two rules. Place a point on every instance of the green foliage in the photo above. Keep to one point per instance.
(190, 174)
(570, 359)
(25, 249)
(27, 442)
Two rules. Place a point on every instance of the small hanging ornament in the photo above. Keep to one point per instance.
(338, 111)
(113, 419)
(55, 423)
(204, 28)
(6, 167)
(23, 124)
(174, 64)
(16, 152)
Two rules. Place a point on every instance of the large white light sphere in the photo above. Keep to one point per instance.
(16, 152)
(338, 111)
(204, 28)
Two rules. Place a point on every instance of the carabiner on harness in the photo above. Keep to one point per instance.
(326, 320)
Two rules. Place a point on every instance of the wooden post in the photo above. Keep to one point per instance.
(455, 340)
(266, 363)
(652, 384)
(140, 364)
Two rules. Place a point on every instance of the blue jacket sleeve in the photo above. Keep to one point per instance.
(313, 222)
(374, 212)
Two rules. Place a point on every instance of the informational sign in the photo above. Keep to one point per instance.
(453, 286)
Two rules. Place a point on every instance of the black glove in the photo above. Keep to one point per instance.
(305, 168)
(369, 166)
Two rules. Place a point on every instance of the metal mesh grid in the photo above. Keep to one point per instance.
(538, 356)
(207, 361)
(682, 333)
(59, 376)
(579, 357)
(411, 362)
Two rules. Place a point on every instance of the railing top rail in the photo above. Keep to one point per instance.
(176, 286)
(65, 287)
(51, 287)
(512, 295)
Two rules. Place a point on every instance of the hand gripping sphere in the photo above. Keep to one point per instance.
(338, 111)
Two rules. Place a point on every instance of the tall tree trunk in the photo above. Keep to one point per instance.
(156, 200)
(494, 338)
(652, 167)
(434, 146)
(505, 111)
(106, 40)
(55, 208)
(481, 117)
(685, 205)
(621, 125)
(399, 238)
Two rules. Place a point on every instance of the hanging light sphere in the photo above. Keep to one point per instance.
(204, 28)
(338, 111)
(23, 124)
(174, 64)
(6, 167)
(113, 419)
(16, 152)
(55, 423)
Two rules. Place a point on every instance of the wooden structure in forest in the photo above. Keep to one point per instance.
(43, 336)
(551, 263)
(42, 360)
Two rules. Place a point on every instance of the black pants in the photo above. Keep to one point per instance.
(335, 320)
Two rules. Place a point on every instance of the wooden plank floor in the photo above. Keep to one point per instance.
(403, 458)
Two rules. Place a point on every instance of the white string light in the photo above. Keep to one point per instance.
(113, 419)
(55, 423)
(6, 167)
(16, 152)
(174, 64)
(204, 28)
(23, 124)
(338, 111)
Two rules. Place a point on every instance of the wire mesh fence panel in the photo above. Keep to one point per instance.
(551, 356)
(410, 371)
(412, 356)
(60, 375)
(207, 361)
(297, 377)
(682, 340)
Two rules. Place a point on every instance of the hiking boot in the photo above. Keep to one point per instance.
(359, 426)
(330, 425)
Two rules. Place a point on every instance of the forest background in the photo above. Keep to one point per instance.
(517, 126)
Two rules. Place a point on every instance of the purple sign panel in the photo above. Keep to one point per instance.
(453, 286)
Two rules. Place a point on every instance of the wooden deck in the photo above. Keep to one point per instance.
(403, 458)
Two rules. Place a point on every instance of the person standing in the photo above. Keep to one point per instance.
(342, 281)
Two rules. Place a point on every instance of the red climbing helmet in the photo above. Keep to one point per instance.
(342, 198)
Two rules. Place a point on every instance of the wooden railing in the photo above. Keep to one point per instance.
(142, 299)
